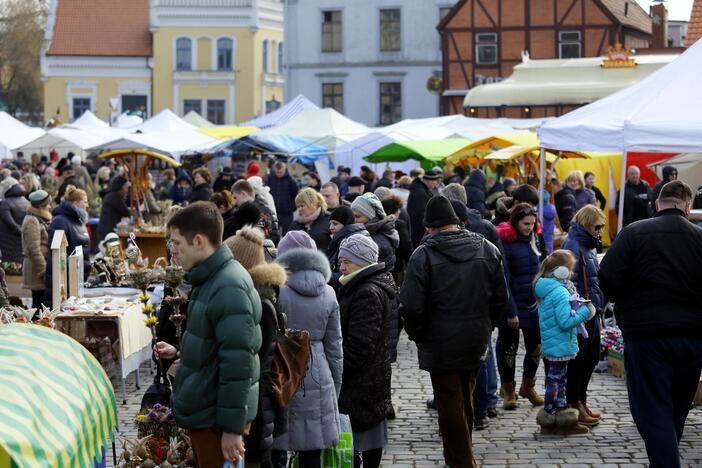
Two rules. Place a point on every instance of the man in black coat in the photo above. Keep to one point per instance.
(669, 174)
(653, 272)
(421, 191)
(284, 190)
(637, 197)
(450, 319)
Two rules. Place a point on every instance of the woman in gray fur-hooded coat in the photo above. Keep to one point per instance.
(310, 304)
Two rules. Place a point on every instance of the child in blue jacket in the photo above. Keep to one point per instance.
(560, 313)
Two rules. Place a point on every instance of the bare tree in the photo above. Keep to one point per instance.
(22, 25)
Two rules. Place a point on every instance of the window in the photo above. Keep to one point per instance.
(390, 36)
(272, 105)
(81, 106)
(265, 56)
(390, 103)
(215, 111)
(225, 54)
(280, 58)
(192, 105)
(135, 104)
(333, 96)
(486, 48)
(444, 11)
(569, 44)
(184, 49)
(331, 31)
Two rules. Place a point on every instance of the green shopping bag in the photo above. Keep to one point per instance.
(339, 455)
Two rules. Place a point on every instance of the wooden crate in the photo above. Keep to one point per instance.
(615, 363)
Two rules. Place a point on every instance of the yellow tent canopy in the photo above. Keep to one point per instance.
(227, 133)
(511, 153)
(479, 150)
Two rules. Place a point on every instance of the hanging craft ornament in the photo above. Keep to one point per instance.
(132, 253)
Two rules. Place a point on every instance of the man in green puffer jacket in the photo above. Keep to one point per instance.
(215, 392)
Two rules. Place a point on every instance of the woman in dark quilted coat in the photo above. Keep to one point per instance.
(12, 212)
(522, 259)
(583, 238)
(268, 278)
(365, 301)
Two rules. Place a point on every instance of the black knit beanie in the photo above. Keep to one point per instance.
(439, 213)
(343, 215)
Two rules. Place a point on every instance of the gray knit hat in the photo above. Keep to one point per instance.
(382, 193)
(369, 206)
(295, 240)
(456, 192)
(359, 249)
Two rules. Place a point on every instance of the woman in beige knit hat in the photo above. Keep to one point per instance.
(247, 248)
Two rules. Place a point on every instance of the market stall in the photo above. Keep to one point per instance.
(110, 318)
(67, 413)
(429, 153)
(150, 238)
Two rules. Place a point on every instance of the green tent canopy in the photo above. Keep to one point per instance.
(427, 152)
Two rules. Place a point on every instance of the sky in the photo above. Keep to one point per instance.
(677, 9)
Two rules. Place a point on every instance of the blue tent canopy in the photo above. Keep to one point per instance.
(297, 149)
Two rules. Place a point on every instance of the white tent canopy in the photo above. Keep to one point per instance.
(283, 114)
(193, 118)
(659, 113)
(87, 121)
(65, 139)
(165, 132)
(127, 120)
(14, 134)
(324, 127)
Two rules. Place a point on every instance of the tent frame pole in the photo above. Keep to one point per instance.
(542, 184)
(622, 190)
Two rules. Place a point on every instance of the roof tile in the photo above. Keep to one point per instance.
(102, 28)
(634, 16)
(694, 27)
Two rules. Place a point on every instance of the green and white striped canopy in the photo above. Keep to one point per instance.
(57, 405)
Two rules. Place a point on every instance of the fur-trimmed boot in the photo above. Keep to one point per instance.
(567, 423)
(528, 391)
(509, 396)
(547, 422)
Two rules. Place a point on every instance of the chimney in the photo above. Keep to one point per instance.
(659, 18)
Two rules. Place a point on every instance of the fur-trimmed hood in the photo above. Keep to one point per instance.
(268, 278)
(308, 269)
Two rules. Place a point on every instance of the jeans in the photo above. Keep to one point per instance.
(485, 395)
(580, 369)
(555, 395)
(506, 349)
(662, 375)
(454, 403)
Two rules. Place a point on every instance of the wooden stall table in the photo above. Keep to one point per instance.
(123, 324)
(151, 244)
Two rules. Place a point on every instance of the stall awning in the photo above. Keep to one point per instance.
(426, 150)
(227, 133)
(562, 82)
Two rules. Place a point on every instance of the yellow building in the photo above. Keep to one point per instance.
(221, 58)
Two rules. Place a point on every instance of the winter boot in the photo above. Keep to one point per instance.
(584, 417)
(528, 391)
(547, 422)
(567, 423)
(509, 397)
(591, 412)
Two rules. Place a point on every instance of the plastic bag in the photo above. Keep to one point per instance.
(339, 455)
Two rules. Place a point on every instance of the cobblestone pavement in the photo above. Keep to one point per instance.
(511, 440)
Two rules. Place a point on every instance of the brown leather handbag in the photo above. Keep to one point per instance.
(290, 362)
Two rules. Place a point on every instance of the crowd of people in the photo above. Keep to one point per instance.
(447, 256)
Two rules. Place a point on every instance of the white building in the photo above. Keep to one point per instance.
(368, 59)
(677, 30)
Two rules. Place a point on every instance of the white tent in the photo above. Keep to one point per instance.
(165, 132)
(283, 114)
(87, 121)
(127, 120)
(193, 118)
(14, 134)
(659, 113)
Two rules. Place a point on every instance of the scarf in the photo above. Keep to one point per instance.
(308, 220)
(43, 214)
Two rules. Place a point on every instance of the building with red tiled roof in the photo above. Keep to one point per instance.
(101, 28)
(483, 40)
(220, 58)
(694, 27)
